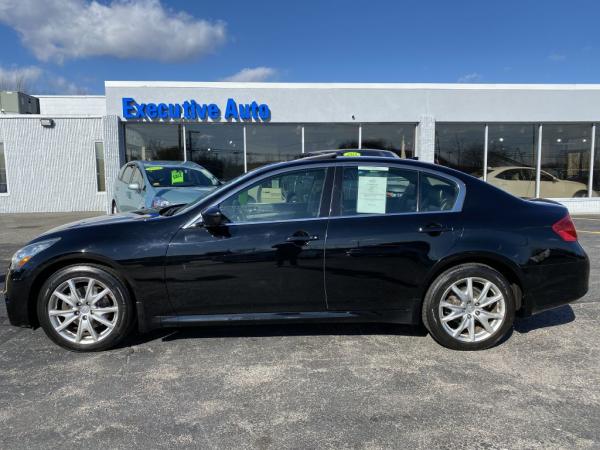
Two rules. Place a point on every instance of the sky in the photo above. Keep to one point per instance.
(73, 46)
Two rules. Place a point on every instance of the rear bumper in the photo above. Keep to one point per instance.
(549, 286)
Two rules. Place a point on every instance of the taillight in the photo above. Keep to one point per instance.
(565, 228)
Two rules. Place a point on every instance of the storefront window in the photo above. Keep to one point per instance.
(511, 157)
(100, 178)
(153, 141)
(272, 143)
(217, 147)
(565, 160)
(3, 182)
(330, 137)
(460, 146)
(399, 138)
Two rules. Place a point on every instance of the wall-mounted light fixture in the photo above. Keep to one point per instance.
(47, 123)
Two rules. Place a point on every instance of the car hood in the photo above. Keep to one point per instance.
(183, 194)
(106, 220)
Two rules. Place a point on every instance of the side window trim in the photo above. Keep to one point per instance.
(336, 201)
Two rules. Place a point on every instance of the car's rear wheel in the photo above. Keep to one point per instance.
(85, 308)
(580, 194)
(469, 307)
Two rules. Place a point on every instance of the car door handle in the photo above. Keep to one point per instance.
(434, 228)
(305, 238)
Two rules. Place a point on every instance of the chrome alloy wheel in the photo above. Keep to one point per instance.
(472, 309)
(83, 310)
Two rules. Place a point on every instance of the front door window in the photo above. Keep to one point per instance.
(287, 196)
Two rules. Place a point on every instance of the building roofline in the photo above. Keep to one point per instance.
(398, 86)
(50, 116)
(67, 96)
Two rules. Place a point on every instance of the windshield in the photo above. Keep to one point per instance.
(173, 176)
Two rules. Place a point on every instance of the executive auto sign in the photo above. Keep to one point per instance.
(192, 110)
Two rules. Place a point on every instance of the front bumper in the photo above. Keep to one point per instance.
(16, 298)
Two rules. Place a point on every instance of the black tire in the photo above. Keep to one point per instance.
(580, 194)
(122, 323)
(440, 286)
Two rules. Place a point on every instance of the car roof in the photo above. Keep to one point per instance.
(511, 168)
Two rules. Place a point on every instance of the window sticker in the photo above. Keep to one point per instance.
(351, 154)
(153, 168)
(176, 176)
(372, 188)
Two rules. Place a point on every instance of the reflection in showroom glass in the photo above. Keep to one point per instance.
(565, 160)
(460, 146)
(397, 137)
(153, 141)
(217, 147)
(511, 158)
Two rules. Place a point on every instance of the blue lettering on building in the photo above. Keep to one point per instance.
(192, 110)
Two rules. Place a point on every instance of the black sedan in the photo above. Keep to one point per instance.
(316, 239)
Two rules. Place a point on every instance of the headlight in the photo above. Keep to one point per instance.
(159, 202)
(20, 258)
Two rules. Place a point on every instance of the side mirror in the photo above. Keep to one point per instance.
(134, 187)
(213, 217)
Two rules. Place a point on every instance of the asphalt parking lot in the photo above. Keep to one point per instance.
(304, 386)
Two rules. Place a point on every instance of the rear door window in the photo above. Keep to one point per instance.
(393, 190)
(378, 190)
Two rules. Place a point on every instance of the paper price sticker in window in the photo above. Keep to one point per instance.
(372, 189)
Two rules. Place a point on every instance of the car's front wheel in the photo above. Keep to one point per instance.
(85, 308)
(469, 307)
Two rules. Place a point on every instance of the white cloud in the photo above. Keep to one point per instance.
(556, 57)
(472, 77)
(57, 30)
(19, 78)
(60, 85)
(32, 79)
(253, 74)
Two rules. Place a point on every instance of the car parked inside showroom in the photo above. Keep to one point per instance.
(324, 238)
(520, 181)
(156, 184)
